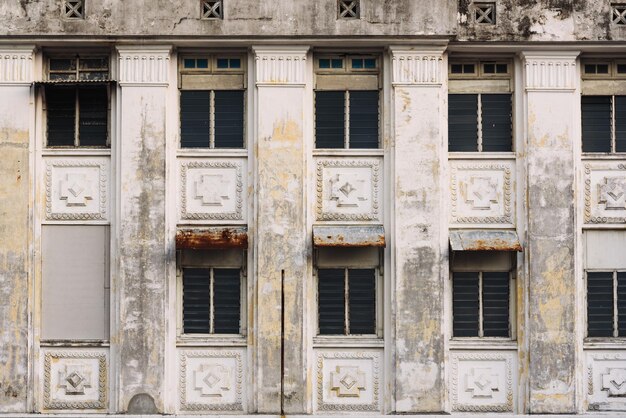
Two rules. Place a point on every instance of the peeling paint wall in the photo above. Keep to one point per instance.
(15, 110)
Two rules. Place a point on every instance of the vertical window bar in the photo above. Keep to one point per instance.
(211, 303)
(346, 140)
(76, 118)
(613, 124)
(615, 307)
(346, 297)
(481, 328)
(480, 135)
(212, 119)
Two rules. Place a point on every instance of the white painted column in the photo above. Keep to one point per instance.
(419, 227)
(281, 241)
(16, 114)
(140, 231)
(552, 100)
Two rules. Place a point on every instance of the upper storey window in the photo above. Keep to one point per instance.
(603, 106)
(212, 101)
(76, 98)
(347, 101)
(480, 106)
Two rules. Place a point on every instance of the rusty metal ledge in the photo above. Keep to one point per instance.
(348, 236)
(484, 240)
(212, 238)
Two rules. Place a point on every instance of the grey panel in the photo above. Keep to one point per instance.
(482, 260)
(348, 257)
(605, 249)
(74, 270)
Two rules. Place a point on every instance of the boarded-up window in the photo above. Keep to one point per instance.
(75, 282)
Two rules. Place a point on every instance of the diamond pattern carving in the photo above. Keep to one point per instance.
(482, 192)
(77, 189)
(75, 380)
(605, 192)
(211, 380)
(348, 189)
(614, 381)
(212, 190)
(347, 381)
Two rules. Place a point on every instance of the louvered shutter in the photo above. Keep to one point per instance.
(600, 304)
(621, 303)
(329, 119)
(465, 304)
(362, 301)
(229, 119)
(496, 304)
(226, 301)
(331, 301)
(596, 123)
(61, 115)
(496, 122)
(196, 301)
(93, 116)
(620, 123)
(462, 122)
(364, 119)
(194, 119)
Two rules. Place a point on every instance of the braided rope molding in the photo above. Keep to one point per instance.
(193, 406)
(373, 406)
(102, 165)
(237, 215)
(589, 219)
(507, 218)
(374, 165)
(501, 407)
(101, 403)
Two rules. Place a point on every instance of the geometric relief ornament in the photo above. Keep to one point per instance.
(482, 192)
(348, 381)
(211, 380)
(482, 382)
(77, 189)
(348, 190)
(212, 190)
(605, 193)
(606, 374)
(75, 380)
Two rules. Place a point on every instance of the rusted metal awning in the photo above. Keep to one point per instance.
(484, 240)
(74, 82)
(348, 236)
(212, 238)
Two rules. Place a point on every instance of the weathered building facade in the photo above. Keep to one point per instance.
(312, 207)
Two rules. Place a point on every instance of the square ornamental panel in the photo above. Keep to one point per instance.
(212, 380)
(482, 192)
(212, 190)
(605, 192)
(77, 189)
(349, 380)
(349, 189)
(606, 380)
(74, 380)
(483, 381)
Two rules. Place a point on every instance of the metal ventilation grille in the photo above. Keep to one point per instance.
(620, 123)
(61, 115)
(196, 301)
(600, 304)
(364, 119)
(349, 9)
(229, 118)
(194, 119)
(465, 305)
(462, 122)
(496, 304)
(362, 301)
(596, 123)
(226, 301)
(331, 301)
(74, 9)
(329, 119)
(621, 304)
(212, 9)
(485, 13)
(496, 122)
(93, 115)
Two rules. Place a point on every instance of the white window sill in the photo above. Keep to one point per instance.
(206, 340)
(74, 343)
(482, 344)
(347, 341)
(475, 155)
(343, 152)
(605, 343)
(212, 152)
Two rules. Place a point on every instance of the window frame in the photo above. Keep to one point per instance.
(213, 71)
(76, 85)
(615, 337)
(183, 337)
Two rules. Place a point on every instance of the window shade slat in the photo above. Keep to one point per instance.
(61, 115)
(600, 304)
(496, 304)
(329, 119)
(226, 301)
(362, 301)
(196, 301)
(93, 116)
(620, 123)
(462, 122)
(364, 119)
(596, 123)
(496, 122)
(229, 118)
(621, 303)
(194, 119)
(465, 304)
(331, 301)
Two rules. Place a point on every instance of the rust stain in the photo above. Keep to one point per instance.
(213, 238)
(340, 241)
(495, 244)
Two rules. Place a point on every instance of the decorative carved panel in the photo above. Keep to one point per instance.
(482, 192)
(482, 382)
(605, 192)
(77, 189)
(349, 189)
(212, 380)
(16, 65)
(422, 67)
(280, 66)
(75, 380)
(147, 66)
(606, 380)
(550, 71)
(348, 381)
(212, 190)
